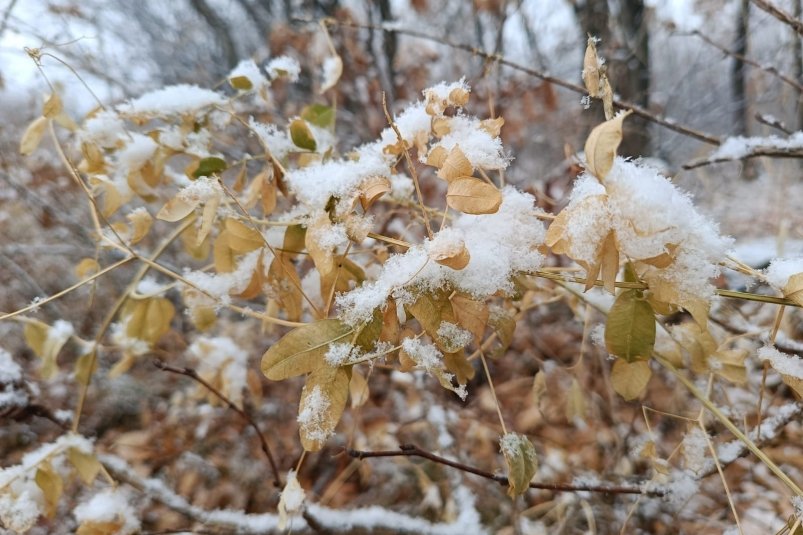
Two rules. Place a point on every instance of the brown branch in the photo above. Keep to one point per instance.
(757, 152)
(769, 120)
(410, 450)
(781, 15)
(766, 68)
(192, 374)
(637, 110)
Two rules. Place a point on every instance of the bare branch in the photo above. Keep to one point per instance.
(756, 152)
(192, 374)
(781, 15)
(410, 450)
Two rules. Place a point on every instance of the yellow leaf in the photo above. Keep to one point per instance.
(33, 136)
(51, 484)
(53, 106)
(456, 257)
(794, 288)
(358, 389)
(86, 464)
(601, 146)
(372, 189)
(141, 222)
(285, 282)
(112, 527)
(504, 325)
(441, 126)
(431, 309)
(609, 263)
(607, 98)
(521, 460)
(177, 209)
(223, 254)
(629, 379)
(591, 68)
(323, 400)
(471, 315)
(437, 156)
(85, 366)
(302, 136)
(302, 350)
(268, 195)
(35, 333)
(86, 268)
(322, 255)
(458, 97)
(148, 319)
(455, 165)
(730, 365)
(241, 237)
(473, 196)
(630, 330)
(207, 219)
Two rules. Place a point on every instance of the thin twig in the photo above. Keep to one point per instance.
(781, 15)
(756, 152)
(410, 450)
(637, 110)
(771, 69)
(192, 374)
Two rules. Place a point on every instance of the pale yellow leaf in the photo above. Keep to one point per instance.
(455, 165)
(33, 135)
(601, 146)
(473, 196)
(629, 379)
(302, 350)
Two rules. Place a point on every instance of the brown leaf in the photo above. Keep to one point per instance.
(473, 196)
(629, 379)
(471, 315)
(372, 189)
(33, 135)
(323, 400)
(601, 146)
(591, 68)
(455, 165)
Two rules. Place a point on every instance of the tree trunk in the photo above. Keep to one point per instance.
(738, 82)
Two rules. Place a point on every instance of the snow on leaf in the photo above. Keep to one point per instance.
(601, 146)
(302, 350)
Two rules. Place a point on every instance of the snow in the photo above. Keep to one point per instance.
(695, 447)
(401, 187)
(512, 444)
(149, 286)
(220, 285)
(338, 353)
(312, 416)
(283, 66)
(785, 364)
(496, 254)
(221, 356)
(201, 190)
(277, 141)
(454, 336)
(781, 269)
(110, 506)
(734, 148)
(172, 100)
(292, 498)
(10, 371)
(136, 153)
(481, 149)
(247, 68)
(424, 355)
(332, 69)
(797, 503)
(105, 128)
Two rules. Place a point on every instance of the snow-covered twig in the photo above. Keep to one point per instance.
(743, 148)
(333, 520)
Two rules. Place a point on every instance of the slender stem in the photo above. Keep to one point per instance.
(410, 450)
(724, 420)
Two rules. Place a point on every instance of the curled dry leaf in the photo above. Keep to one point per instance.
(601, 146)
(629, 379)
(591, 67)
(332, 70)
(372, 189)
(473, 196)
(455, 255)
(794, 289)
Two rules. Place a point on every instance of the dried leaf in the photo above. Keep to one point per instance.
(223, 254)
(609, 263)
(323, 400)
(629, 379)
(441, 126)
(302, 136)
(141, 222)
(147, 319)
(302, 350)
(86, 464)
(455, 165)
(521, 462)
(504, 325)
(473, 196)
(794, 289)
(456, 257)
(601, 146)
(591, 67)
(86, 268)
(607, 98)
(85, 366)
(332, 70)
(630, 330)
(241, 237)
(372, 189)
(458, 364)
(493, 126)
(730, 365)
(471, 315)
(437, 156)
(33, 136)
(358, 389)
(52, 486)
(177, 209)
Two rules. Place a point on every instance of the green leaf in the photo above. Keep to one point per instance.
(302, 350)
(241, 83)
(86, 464)
(302, 136)
(319, 115)
(630, 331)
(210, 166)
(521, 462)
